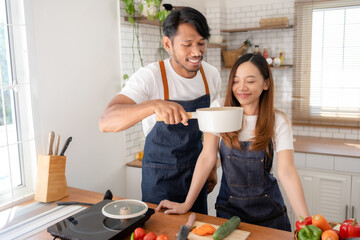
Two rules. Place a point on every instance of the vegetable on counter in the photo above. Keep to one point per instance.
(227, 228)
(329, 235)
(139, 233)
(162, 237)
(203, 230)
(150, 236)
(320, 222)
(349, 228)
(302, 222)
(309, 232)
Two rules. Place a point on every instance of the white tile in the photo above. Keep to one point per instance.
(344, 130)
(315, 134)
(326, 135)
(338, 135)
(352, 137)
(277, 6)
(250, 14)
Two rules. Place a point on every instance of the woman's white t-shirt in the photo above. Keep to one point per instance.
(283, 138)
(146, 84)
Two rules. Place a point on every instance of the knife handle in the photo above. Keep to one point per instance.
(65, 146)
(51, 142)
(57, 142)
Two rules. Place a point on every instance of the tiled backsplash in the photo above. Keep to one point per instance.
(273, 40)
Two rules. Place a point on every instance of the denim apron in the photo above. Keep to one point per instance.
(249, 190)
(170, 155)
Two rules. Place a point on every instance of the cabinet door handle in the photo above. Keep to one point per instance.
(352, 211)
(346, 211)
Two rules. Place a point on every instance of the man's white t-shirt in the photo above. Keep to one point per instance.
(283, 138)
(146, 84)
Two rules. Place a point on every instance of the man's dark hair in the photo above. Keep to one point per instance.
(186, 15)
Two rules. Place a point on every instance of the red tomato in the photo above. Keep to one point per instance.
(162, 237)
(139, 233)
(150, 236)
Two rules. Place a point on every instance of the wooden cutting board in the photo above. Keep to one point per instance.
(236, 234)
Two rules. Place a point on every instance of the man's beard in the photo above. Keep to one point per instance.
(187, 69)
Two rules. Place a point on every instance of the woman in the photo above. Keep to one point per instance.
(248, 188)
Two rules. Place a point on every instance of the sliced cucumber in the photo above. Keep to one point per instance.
(227, 228)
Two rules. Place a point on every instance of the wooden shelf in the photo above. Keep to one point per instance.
(286, 66)
(145, 20)
(213, 45)
(255, 29)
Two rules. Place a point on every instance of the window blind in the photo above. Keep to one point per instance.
(326, 88)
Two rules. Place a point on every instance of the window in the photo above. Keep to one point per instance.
(327, 63)
(17, 147)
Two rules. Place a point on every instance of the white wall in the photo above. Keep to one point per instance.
(74, 57)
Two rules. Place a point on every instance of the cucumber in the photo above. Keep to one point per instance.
(227, 228)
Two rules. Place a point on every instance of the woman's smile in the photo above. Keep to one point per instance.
(243, 95)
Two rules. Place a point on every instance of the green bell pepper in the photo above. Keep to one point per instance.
(309, 232)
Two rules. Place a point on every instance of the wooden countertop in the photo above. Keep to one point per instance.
(328, 146)
(160, 223)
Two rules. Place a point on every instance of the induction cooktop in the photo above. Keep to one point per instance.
(91, 224)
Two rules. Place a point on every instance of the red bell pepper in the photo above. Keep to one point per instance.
(299, 224)
(349, 228)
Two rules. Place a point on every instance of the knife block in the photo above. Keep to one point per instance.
(51, 181)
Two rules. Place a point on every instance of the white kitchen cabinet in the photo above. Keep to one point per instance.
(133, 183)
(213, 195)
(354, 209)
(327, 193)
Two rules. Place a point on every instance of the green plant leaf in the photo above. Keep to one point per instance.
(131, 20)
(162, 16)
(125, 76)
(151, 17)
(132, 8)
(141, 7)
(128, 2)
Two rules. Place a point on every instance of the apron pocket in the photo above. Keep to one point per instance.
(255, 209)
(161, 181)
(244, 172)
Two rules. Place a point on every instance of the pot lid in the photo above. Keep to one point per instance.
(124, 209)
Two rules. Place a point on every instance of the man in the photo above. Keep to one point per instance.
(160, 95)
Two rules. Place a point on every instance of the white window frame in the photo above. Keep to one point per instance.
(20, 87)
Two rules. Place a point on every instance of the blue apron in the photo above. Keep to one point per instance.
(170, 155)
(249, 190)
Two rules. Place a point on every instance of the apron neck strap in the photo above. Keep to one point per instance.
(205, 81)
(165, 81)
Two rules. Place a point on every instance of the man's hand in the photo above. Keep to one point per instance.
(170, 112)
(172, 207)
(212, 180)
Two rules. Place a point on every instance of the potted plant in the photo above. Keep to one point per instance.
(137, 8)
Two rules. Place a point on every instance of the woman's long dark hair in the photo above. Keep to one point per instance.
(264, 129)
